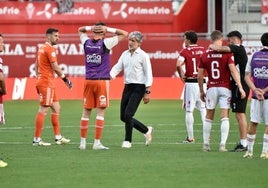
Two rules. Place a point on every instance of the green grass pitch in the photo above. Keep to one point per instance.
(166, 163)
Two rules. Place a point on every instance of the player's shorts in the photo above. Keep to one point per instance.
(191, 99)
(96, 94)
(258, 111)
(218, 95)
(237, 104)
(47, 95)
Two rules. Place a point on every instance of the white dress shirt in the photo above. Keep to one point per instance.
(137, 68)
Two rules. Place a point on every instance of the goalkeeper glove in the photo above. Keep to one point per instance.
(67, 81)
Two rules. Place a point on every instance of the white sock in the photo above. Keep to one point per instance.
(37, 139)
(189, 120)
(243, 142)
(224, 130)
(251, 140)
(2, 113)
(58, 136)
(203, 113)
(96, 141)
(265, 143)
(83, 141)
(206, 130)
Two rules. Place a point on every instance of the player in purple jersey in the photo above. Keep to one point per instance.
(189, 58)
(97, 75)
(257, 79)
(219, 67)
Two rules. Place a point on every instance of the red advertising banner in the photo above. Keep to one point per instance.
(20, 55)
(24, 89)
(109, 12)
(264, 12)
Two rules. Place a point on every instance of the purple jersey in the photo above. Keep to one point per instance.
(97, 60)
(259, 70)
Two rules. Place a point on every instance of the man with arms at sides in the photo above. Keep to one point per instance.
(138, 79)
(220, 67)
(2, 92)
(97, 76)
(257, 79)
(190, 58)
(238, 105)
(46, 66)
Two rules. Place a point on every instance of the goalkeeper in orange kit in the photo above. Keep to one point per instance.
(45, 67)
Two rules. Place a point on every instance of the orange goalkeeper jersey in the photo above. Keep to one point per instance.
(46, 56)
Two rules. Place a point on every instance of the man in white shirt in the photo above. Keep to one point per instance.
(138, 79)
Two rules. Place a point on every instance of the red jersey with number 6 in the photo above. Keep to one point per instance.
(191, 58)
(217, 66)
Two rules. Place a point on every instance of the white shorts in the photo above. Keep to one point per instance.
(259, 111)
(191, 99)
(218, 95)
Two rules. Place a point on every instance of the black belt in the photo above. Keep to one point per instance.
(97, 78)
(193, 80)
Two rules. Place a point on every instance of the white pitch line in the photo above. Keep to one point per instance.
(119, 143)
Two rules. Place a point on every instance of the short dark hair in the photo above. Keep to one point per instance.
(100, 23)
(192, 36)
(235, 34)
(264, 39)
(1, 35)
(216, 35)
(51, 30)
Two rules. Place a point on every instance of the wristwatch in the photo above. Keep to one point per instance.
(147, 91)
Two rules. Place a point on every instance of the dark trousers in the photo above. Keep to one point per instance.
(131, 98)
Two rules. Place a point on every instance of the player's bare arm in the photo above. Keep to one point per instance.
(121, 34)
(2, 84)
(265, 90)
(200, 79)
(180, 71)
(236, 77)
(219, 48)
(259, 92)
(59, 72)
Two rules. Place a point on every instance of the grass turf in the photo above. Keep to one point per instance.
(165, 163)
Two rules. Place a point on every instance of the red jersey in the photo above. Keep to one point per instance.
(216, 65)
(191, 57)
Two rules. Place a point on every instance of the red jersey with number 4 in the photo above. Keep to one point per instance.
(217, 66)
(191, 58)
